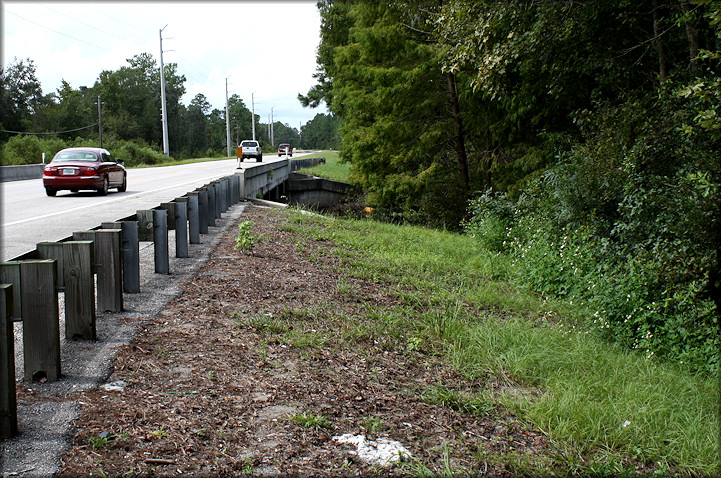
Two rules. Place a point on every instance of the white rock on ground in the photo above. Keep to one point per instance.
(379, 452)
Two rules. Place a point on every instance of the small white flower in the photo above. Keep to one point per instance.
(625, 424)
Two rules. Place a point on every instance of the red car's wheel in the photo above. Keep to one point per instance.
(123, 187)
(104, 190)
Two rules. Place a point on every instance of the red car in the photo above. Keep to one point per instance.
(282, 147)
(84, 168)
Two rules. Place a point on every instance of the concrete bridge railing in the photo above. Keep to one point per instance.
(262, 178)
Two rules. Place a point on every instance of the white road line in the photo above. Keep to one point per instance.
(94, 205)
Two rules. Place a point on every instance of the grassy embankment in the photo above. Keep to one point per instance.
(332, 169)
(599, 404)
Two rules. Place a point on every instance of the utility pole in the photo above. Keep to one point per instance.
(164, 110)
(100, 121)
(268, 128)
(272, 131)
(227, 117)
(252, 105)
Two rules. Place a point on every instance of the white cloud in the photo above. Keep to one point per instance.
(266, 48)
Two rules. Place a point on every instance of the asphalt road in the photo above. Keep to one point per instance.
(29, 216)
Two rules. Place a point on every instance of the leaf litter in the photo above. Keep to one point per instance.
(212, 384)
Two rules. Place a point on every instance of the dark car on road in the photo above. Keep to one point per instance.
(84, 168)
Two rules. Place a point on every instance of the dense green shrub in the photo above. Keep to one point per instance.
(627, 226)
(29, 149)
(136, 153)
(491, 218)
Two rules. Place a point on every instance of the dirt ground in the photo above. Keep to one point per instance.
(245, 373)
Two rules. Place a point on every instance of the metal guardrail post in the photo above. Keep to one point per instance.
(160, 241)
(131, 257)
(8, 393)
(41, 323)
(203, 208)
(78, 257)
(193, 219)
(181, 228)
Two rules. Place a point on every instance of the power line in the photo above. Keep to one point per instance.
(52, 132)
(82, 22)
(55, 31)
(118, 20)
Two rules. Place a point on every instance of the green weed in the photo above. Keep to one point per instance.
(310, 420)
(372, 424)
(245, 240)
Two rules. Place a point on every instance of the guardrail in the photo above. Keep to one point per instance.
(93, 269)
(266, 177)
(302, 163)
(21, 172)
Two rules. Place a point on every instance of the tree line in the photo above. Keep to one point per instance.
(581, 138)
(131, 104)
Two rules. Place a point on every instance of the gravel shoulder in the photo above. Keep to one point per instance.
(47, 411)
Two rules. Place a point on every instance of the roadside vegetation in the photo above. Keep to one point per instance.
(332, 169)
(579, 140)
(601, 404)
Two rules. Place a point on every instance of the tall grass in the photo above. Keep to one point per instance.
(332, 169)
(590, 397)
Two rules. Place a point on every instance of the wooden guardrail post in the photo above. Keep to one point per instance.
(211, 205)
(10, 274)
(110, 272)
(222, 187)
(160, 241)
(131, 257)
(8, 397)
(232, 182)
(218, 199)
(193, 219)
(145, 225)
(203, 208)
(181, 229)
(80, 318)
(170, 207)
(107, 268)
(41, 324)
(54, 251)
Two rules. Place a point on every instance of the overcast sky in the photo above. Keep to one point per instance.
(266, 48)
